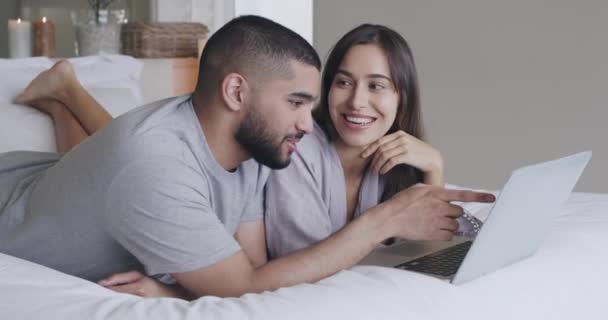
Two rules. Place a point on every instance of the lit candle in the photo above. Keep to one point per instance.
(19, 38)
(44, 37)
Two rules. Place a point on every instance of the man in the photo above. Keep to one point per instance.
(169, 188)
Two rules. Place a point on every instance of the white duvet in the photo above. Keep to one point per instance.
(566, 279)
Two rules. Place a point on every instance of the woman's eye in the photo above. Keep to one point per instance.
(343, 83)
(376, 86)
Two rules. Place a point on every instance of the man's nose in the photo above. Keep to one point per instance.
(305, 122)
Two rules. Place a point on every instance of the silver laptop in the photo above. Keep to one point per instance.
(516, 226)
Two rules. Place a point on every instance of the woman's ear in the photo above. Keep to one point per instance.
(234, 89)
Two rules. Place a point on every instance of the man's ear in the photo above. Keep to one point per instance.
(234, 90)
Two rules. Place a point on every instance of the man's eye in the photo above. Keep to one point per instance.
(296, 103)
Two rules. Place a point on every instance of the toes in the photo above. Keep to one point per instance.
(21, 99)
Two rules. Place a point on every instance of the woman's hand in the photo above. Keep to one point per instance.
(402, 148)
(135, 283)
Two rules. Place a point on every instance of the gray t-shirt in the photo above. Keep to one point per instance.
(145, 191)
(306, 202)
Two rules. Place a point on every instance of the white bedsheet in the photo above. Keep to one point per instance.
(564, 280)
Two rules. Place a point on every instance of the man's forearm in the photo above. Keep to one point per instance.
(339, 251)
(420, 212)
(236, 275)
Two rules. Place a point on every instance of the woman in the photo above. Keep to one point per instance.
(369, 134)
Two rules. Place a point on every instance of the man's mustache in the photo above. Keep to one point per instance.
(295, 136)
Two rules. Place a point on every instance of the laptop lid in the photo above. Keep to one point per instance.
(522, 215)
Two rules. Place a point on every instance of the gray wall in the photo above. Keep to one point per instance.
(504, 83)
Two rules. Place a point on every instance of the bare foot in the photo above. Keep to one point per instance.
(51, 107)
(48, 84)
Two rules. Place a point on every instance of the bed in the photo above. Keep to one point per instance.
(565, 279)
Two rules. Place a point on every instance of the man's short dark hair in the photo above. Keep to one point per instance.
(255, 47)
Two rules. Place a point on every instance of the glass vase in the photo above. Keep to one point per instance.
(98, 31)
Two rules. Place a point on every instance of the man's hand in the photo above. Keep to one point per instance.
(424, 212)
(135, 283)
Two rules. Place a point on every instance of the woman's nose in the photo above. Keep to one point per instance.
(359, 98)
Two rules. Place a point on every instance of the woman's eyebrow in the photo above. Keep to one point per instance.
(344, 72)
(371, 75)
(377, 75)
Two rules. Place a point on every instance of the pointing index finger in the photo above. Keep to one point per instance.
(465, 196)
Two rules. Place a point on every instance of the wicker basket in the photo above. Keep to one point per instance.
(162, 40)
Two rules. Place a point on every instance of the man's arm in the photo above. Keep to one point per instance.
(237, 275)
(250, 236)
(252, 239)
(417, 211)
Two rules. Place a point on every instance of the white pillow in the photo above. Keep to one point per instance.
(112, 80)
(25, 128)
(107, 71)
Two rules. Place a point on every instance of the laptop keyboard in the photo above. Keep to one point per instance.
(443, 263)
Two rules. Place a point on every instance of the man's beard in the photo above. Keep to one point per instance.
(261, 143)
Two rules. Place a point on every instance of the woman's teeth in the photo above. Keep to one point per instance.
(359, 120)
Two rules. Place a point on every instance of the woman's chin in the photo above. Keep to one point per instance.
(361, 138)
(357, 142)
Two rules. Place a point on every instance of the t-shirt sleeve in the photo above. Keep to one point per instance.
(296, 214)
(160, 211)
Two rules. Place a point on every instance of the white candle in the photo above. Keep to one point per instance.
(19, 38)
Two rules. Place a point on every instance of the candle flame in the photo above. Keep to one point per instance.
(18, 20)
(43, 19)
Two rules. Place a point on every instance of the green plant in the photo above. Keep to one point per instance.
(98, 6)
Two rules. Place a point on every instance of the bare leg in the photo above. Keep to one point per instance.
(68, 131)
(60, 83)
